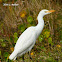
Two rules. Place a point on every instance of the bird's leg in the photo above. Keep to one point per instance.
(23, 58)
(30, 55)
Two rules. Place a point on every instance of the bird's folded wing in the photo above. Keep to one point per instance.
(25, 40)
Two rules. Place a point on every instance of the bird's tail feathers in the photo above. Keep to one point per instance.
(13, 55)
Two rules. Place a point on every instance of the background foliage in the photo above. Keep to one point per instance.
(15, 19)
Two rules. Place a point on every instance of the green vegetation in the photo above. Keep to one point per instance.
(15, 19)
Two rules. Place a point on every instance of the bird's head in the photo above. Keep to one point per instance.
(45, 12)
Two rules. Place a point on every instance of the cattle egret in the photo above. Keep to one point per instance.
(28, 38)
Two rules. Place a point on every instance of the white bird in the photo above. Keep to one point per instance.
(28, 38)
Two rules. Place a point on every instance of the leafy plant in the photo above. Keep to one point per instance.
(42, 47)
(21, 27)
(3, 44)
(1, 40)
(60, 36)
(50, 59)
(15, 37)
(50, 40)
(28, 25)
(40, 38)
(29, 19)
(6, 54)
(46, 33)
(0, 52)
(5, 0)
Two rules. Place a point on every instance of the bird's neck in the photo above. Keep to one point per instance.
(40, 25)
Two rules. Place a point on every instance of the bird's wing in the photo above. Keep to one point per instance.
(25, 40)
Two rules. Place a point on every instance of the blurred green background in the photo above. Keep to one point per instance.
(15, 19)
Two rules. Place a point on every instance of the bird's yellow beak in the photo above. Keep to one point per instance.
(50, 11)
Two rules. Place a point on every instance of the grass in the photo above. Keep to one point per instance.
(48, 45)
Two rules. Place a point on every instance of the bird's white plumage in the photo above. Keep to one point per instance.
(27, 39)
(25, 42)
